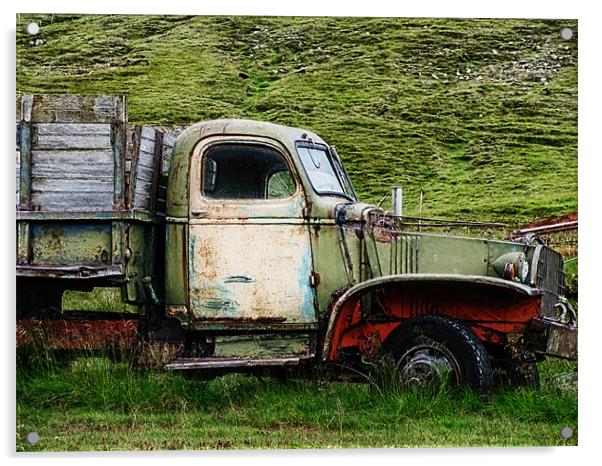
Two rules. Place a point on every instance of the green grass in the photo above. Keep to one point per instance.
(97, 404)
(481, 114)
(99, 299)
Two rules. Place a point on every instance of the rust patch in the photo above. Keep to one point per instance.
(370, 344)
(176, 310)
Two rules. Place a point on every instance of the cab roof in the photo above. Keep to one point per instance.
(233, 127)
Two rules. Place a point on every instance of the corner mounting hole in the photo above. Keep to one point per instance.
(566, 33)
(566, 432)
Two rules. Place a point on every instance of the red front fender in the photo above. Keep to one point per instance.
(367, 313)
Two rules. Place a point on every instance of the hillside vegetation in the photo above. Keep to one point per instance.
(481, 114)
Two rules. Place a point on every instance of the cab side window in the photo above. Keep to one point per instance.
(236, 171)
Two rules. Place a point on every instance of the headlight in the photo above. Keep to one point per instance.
(523, 268)
(512, 266)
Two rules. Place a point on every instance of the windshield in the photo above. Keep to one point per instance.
(325, 174)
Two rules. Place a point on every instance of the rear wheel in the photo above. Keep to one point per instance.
(434, 351)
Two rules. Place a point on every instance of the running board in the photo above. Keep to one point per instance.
(222, 363)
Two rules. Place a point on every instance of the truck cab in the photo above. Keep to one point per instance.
(247, 204)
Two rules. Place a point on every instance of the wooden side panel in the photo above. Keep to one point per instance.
(147, 168)
(70, 152)
(73, 167)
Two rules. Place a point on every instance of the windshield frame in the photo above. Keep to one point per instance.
(342, 172)
(337, 173)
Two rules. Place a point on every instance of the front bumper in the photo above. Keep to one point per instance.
(552, 338)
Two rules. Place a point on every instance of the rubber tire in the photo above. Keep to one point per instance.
(458, 339)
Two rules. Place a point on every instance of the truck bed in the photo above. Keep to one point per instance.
(90, 190)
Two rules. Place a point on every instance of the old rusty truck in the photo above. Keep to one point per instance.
(243, 244)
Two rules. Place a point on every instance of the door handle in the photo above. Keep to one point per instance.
(198, 213)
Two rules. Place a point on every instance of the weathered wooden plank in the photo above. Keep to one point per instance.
(143, 188)
(146, 182)
(147, 145)
(88, 206)
(168, 140)
(72, 202)
(54, 185)
(73, 141)
(146, 159)
(142, 196)
(60, 158)
(147, 133)
(66, 129)
(142, 202)
(49, 168)
(145, 173)
(72, 108)
(90, 177)
(26, 107)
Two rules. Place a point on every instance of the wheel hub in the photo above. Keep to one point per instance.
(427, 364)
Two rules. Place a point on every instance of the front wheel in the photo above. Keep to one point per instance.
(437, 350)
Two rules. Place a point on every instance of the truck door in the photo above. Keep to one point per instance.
(249, 249)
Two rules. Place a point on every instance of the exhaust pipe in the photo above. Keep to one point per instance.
(397, 200)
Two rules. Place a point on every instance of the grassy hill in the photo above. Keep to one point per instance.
(481, 114)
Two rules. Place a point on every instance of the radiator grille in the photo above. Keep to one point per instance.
(549, 277)
(404, 255)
